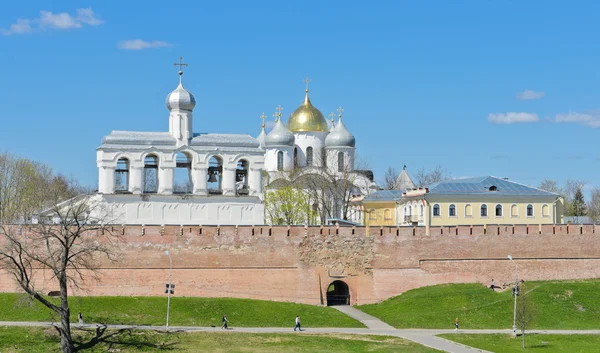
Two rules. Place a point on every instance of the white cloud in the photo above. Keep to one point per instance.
(49, 20)
(138, 44)
(529, 95)
(513, 118)
(21, 27)
(591, 118)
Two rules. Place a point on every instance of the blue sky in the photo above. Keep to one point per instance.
(509, 89)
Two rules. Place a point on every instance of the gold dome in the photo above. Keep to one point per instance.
(307, 118)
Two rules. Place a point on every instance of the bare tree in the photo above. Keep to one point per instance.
(525, 310)
(389, 179)
(435, 175)
(569, 192)
(67, 243)
(594, 205)
(550, 186)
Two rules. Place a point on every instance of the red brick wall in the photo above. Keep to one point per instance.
(296, 263)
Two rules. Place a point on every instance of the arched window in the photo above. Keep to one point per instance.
(122, 175)
(545, 211)
(387, 214)
(309, 156)
(514, 211)
(468, 211)
(483, 211)
(280, 160)
(436, 210)
(421, 213)
(295, 157)
(341, 162)
(498, 210)
(452, 211)
(241, 177)
(182, 183)
(150, 174)
(529, 210)
(215, 175)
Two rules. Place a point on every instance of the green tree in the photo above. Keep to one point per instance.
(287, 206)
(526, 310)
(578, 207)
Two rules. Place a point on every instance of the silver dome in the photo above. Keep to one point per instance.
(261, 137)
(279, 136)
(181, 99)
(339, 136)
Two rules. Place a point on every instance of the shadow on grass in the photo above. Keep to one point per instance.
(113, 339)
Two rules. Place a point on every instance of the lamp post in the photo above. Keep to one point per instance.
(515, 295)
(169, 285)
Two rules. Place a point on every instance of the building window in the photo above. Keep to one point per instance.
(436, 210)
(150, 174)
(215, 175)
(309, 156)
(295, 157)
(387, 214)
(372, 214)
(483, 211)
(545, 211)
(514, 211)
(340, 162)
(498, 210)
(280, 160)
(452, 211)
(182, 176)
(421, 213)
(122, 175)
(529, 210)
(468, 211)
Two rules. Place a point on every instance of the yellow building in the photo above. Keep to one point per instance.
(479, 201)
(379, 208)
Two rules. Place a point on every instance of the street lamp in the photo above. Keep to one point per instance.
(169, 286)
(515, 295)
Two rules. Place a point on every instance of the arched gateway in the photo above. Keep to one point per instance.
(338, 294)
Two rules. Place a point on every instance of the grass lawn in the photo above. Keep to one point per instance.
(501, 343)
(40, 340)
(559, 305)
(184, 311)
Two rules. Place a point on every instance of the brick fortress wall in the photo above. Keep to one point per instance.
(298, 263)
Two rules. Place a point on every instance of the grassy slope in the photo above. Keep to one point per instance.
(37, 340)
(184, 311)
(500, 343)
(559, 305)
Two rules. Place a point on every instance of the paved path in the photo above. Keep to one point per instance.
(426, 337)
(370, 321)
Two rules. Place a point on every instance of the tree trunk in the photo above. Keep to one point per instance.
(523, 336)
(66, 341)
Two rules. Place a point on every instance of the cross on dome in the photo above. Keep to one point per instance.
(277, 114)
(262, 117)
(340, 111)
(306, 80)
(181, 65)
(332, 116)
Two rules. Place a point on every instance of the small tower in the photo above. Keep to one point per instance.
(279, 146)
(340, 146)
(181, 103)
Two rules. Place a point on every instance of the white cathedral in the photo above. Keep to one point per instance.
(182, 178)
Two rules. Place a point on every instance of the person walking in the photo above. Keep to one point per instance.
(298, 324)
(456, 324)
(224, 322)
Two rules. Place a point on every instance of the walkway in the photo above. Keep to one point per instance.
(425, 337)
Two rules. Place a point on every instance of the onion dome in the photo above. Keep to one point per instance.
(180, 98)
(340, 136)
(279, 136)
(307, 118)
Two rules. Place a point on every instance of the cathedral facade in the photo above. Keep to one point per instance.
(179, 177)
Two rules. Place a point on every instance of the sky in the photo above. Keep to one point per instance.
(509, 89)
